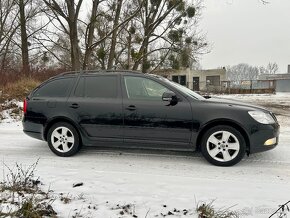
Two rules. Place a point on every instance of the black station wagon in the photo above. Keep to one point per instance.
(131, 109)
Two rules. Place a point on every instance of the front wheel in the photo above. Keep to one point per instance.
(63, 139)
(223, 146)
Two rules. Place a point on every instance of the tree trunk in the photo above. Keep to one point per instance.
(73, 34)
(145, 53)
(24, 39)
(114, 35)
(90, 35)
(75, 51)
(129, 51)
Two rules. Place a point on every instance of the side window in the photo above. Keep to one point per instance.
(143, 88)
(54, 88)
(98, 87)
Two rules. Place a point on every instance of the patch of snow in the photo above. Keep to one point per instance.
(12, 111)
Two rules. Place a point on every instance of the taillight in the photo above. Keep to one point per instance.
(24, 106)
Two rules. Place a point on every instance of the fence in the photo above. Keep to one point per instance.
(236, 87)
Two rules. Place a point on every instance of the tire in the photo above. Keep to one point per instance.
(63, 139)
(223, 146)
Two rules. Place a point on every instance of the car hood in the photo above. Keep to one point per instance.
(234, 103)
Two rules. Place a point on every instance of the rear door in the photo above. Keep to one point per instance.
(49, 99)
(96, 105)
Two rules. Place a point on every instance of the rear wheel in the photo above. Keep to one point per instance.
(63, 139)
(223, 146)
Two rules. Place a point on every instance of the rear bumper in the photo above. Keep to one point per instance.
(36, 135)
(260, 135)
(32, 129)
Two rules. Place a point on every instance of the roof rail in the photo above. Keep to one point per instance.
(98, 71)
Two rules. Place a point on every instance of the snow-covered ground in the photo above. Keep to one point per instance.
(157, 182)
(10, 111)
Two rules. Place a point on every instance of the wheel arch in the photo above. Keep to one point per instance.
(224, 122)
(55, 120)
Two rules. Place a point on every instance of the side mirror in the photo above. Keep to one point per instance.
(171, 97)
(207, 96)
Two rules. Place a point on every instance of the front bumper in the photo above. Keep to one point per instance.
(260, 134)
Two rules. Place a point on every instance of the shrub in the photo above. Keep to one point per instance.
(19, 89)
(207, 210)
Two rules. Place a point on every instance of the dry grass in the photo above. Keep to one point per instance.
(16, 85)
(11, 76)
(65, 199)
(20, 179)
(35, 208)
(23, 197)
(19, 89)
(207, 210)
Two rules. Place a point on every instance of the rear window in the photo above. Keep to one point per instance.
(97, 87)
(54, 88)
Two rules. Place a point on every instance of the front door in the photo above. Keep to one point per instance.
(148, 118)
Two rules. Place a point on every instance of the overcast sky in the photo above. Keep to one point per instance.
(246, 31)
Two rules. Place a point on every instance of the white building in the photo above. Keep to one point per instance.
(198, 80)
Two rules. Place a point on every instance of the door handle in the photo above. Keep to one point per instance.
(131, 108)
(74, 106)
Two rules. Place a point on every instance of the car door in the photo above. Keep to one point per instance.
(96, 104)
(49, 99)
(148, 118)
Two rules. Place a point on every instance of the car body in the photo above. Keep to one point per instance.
(132, 109)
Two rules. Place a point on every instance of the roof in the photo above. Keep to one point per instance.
(275, 76)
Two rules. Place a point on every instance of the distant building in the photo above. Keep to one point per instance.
(274, 76)
(282, 80)
(197, 80)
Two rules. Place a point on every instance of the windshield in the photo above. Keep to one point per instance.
(186, 90)
(182, 88)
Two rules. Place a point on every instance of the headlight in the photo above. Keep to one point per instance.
(262, 117)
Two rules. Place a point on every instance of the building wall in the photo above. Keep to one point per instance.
(201, 74)
(283, 85)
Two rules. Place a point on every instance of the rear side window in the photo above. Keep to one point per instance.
(55, 88)
(97, 87)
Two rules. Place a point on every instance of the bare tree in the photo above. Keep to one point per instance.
(272, 68)
(89, 33)
(24, 38)
(114, 34)
(28, 24)
(67, 14)
(162, 27)
(8, 28)
(108, 28)
(151, 16)
(265, 2)
(242, 72)
(87, 36)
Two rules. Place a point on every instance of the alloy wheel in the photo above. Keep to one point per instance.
(62, 139)
(223, 146)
